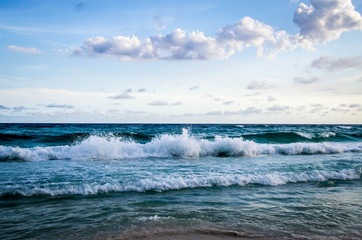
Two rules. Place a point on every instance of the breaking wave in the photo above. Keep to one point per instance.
(316, 135)
(166, 146)
(177, 182)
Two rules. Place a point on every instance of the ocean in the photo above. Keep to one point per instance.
(167, 181)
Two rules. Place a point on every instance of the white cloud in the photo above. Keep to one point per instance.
(19, 109)
(332, 64)
(228, 102)
(54, 105)
(24, 50)
(212, 97)
(176, 104)
(271, 99)
(194, 87)
(277, 108)
(322, 21)
(246, 111)
(355, 105)
(325, 20)
(124, 95)
(249, 32)
(259, 85)
(180, 45)
(141, 90)
(3, 107)
(164, 103)
(302, 80)
(158, 103)
(124, 48)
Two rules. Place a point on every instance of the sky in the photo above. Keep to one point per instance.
(205, 61)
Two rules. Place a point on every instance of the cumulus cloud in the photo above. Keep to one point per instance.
(250, 32)
(54, 105)
(333, 64)
(301, 80)
(320, 22)
(259, 85)
(24, 50)
(180, 45)
(325, 20)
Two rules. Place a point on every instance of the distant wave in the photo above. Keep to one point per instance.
(345, 127)
(69, 137)
(167, 145)
(9, 137)
(316, 135)
(177, 182)
(289, 137)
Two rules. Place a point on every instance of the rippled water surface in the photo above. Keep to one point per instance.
(90, 181)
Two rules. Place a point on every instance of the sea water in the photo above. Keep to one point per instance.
(89, 181)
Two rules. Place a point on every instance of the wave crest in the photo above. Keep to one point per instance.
(316, 135)
(177, 182)
(167, 145)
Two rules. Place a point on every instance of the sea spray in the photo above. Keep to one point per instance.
(169, 145)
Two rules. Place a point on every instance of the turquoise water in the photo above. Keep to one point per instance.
(88, 181)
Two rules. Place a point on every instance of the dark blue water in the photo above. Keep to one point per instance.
(89, 181)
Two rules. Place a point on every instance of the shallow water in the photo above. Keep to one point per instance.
(98, 181)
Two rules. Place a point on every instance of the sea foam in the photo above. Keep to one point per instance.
(316, 135)
(177, 182)
(167, 145)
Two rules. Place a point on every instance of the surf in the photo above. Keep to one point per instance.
(182, 145)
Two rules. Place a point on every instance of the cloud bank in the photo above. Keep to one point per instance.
(320, 22)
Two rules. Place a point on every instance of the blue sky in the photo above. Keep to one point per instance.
(181, 61)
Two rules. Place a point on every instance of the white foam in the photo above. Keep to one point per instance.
(327, 134)
(305, 135)
(176, 182)
(153, 218)
(165, 146)
(345, 127)
(316, 135)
